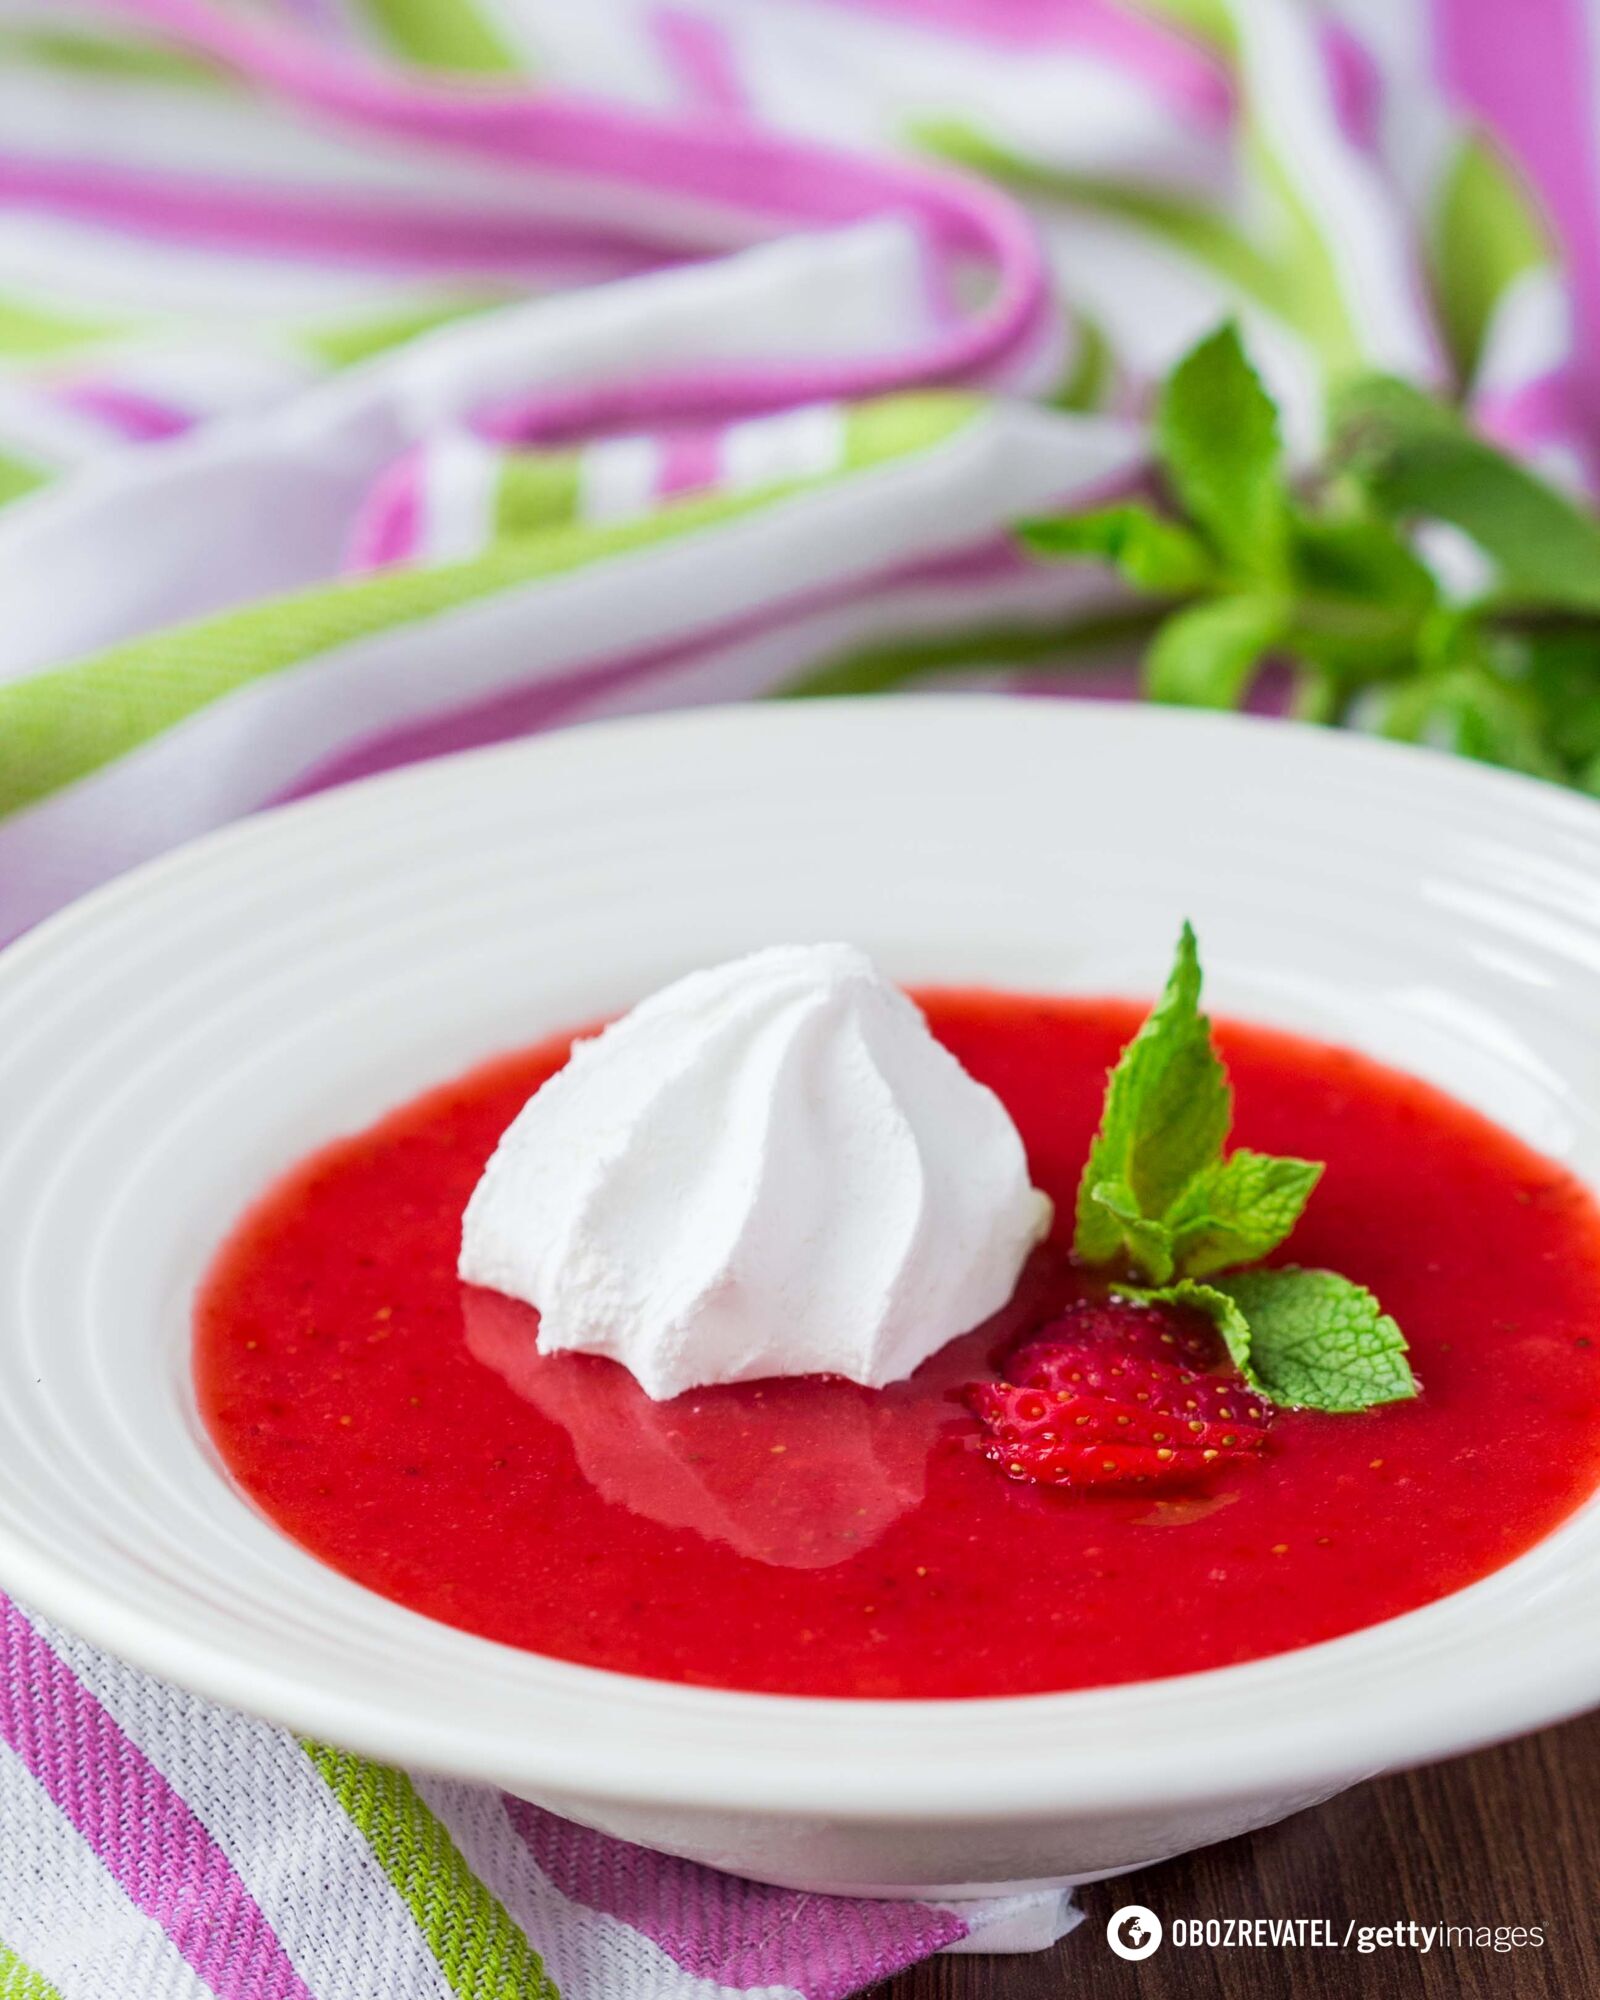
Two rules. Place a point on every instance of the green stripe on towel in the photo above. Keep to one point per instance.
(342, 342)
(443, 34)
(30, 332)
(21, 1982)
(16, 478)
(537, 491)
(482, 1953)
(60, 725)
(86, 51)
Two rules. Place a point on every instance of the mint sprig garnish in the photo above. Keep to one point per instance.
(1319, 1340)
(1308, 1339)
(1157, 1193)
(1162, 1204)
(1334, 570)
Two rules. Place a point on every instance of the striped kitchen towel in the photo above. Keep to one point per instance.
(153, 1847)
(381, 377)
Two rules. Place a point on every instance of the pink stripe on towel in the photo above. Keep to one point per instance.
(690, 460)
(544, 702)
(388, 528)
(138, 418)
(382, 234)
(784, 182)
(148, 1839)
(701, 56)
(735, 1932)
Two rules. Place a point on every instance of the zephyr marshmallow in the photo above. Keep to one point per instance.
(767, 1168)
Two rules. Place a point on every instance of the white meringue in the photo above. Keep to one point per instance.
(767, 1168)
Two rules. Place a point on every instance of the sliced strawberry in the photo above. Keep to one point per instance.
(1089, 1409)
(1148, 1399)
(1159, 1333)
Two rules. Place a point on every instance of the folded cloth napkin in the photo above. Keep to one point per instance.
(154, 1847)
(381, 377)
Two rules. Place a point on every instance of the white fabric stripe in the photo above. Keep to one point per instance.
(815, 297)
(298, 1854)
(62, 1913)
(1153, 302)
(38, 427)
(590, 1956)
(79, 267)
(1529, 335)
(154, 538)
(1046, 599)
(239, 752)
(860, 78)
(797, 444)
(515, 25)
(607, 48)
(203, 378)
(618, 479)
(460, 477)
(340, 22)
(1355, 218)
(1418, 129)
(79, 115)
(1017, 1923)
(1150, 304)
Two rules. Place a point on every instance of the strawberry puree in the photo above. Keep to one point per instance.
(812, 1537)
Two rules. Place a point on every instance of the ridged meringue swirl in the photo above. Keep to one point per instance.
(767, 1168)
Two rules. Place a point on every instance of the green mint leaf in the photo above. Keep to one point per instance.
(1453, 635)
(1413, 456)
(1238, 1210)
(1207, 656)
(1167, 1111)
(1360, 556)
(1230, 1322)
(1151, 552)
(1217, 433)
(1318, 1341)
(1148, 1244)
(1361, 596)
(1470, 710)
(1561, 671)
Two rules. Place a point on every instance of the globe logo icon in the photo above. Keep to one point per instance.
(1133, 1931)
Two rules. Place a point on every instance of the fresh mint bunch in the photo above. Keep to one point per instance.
(1160, 1199)
(1244, 565)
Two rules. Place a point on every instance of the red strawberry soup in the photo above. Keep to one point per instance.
(1078, 1493)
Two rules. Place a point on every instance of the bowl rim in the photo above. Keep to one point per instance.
(668, 1763)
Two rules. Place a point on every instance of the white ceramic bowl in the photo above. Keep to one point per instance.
(173, 1041)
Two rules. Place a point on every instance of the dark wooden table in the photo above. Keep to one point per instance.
(1508, 1837)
